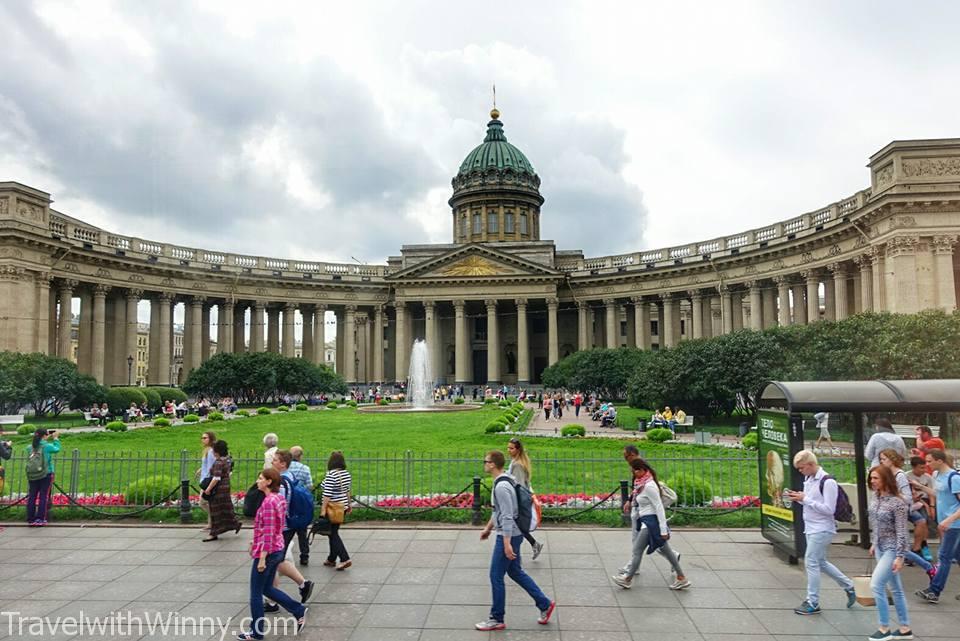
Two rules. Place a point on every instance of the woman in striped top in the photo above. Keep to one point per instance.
(266, 549)
(336, 489)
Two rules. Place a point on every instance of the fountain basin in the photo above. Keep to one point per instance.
(406, 407)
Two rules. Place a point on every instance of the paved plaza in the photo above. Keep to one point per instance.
(431, 584)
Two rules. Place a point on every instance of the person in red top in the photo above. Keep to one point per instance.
(266, 549)
(926, 442)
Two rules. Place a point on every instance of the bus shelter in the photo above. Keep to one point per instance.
(780, 436)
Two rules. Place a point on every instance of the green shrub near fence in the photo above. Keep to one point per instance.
(301, 407)
(116, 426)
(149, 490)
(332, 405)
(215, 416)
(119, 398)
(659, 434)
(27, 428)
(495, 427)
(243, 413)
(573, 430)
(174, 394)
(749, 441)
(283, 408)
(263, 411)
(161, 422)
(692, 489)
(191, 418)
(459, 401)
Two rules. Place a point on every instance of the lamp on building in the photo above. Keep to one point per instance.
(129, 369)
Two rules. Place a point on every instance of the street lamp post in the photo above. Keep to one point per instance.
(129, 370)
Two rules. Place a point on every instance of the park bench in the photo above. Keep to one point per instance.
(909, 432)
(10, 419)
(90, 418)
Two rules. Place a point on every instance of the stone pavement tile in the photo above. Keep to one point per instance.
(223, 611)
(361, 575)
(109, 543)
(464, 576)
(219, 557)
(697, 597)
(584, 595)
(423, 560)
(179, 590)
(662, 621)
(124, 557)
(179, 557)
(35, 571)
(769, 598)
(582, 577)
(595, 635)
(478, 595)
(716, 621)
(100, 572)
(669, 636)
(723, 549)
(68, 590)
(358, 593)
(703, 578)
(436, 535)
(741, 637)
(432, 546)
(646, 597)
(401, 594)
(383, 545)
(415, 576)
(383, 634)
(732, 563)
(101, 609)
(201, 573)
(470, 634)
(395, 616)
(590, 618)
(38, 608)
(35, 543)
(471, 560)
(19, 589)
(586, 546)
(240, 592)
(115, 590)
(44, 555)
(748, 579)
(779, 622)
(371, 559)
(386, 534)
(574, 561)
(809, 637)
(155, 545)
(345, 615)
(322, 632)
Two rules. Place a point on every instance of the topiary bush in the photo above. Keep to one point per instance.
(243, 413)
(659, 434)
(493, 427)
(149, 490)
(119, 398)
(116, 426)
(283, 408)
(749, 441)
(518, 407)
(170, 394)
(502, 420)
(263, 410)
(215, 416)
(161, 422)
(503, 404)
(332, 405)
(489, 400)
(25, 429)
(573, 431)
(459, 401)
(692, 489)
(511, 399)
(383, 401)
(301, 407)
(352, 403)
(153, 397)
(191, 418)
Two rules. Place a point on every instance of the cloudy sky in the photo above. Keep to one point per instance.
(331, 130)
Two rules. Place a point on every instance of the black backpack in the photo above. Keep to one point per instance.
(252, 501)
(843, 512)
(524, 502)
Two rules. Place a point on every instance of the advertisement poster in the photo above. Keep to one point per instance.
(776, 515)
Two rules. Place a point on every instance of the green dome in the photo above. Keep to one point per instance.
(495, 153)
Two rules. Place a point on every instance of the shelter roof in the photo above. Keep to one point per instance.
(940, 395)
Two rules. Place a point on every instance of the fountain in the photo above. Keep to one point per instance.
(420, 377)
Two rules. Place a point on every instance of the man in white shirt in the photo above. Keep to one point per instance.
(819, 528)
(884, 439)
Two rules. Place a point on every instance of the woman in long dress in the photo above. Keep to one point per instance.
(223, 518)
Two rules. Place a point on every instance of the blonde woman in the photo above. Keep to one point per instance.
(207, 458)
(521, 470)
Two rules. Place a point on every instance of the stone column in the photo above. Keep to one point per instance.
(583, 334)
(430, 335)
(943, 264)
(114, 340)
(165, 336)
(711, 313)
(45, 280)
(879, 281)
(239, 328)
(756, 305)
(196, 334)
(461, 343)
(320, 335)
(901, 274)
(769, 303)
(340, 341)
(153, 355)
(493, 344)
(205, 332)
(670, 312)
(696, 312)
(257, 342)
(829, 300)
(349, 343)
(736, 302)
(64, 342)
(799, 306)
(133, 299)
(611, 325)
(225, 342)
(378, 345)
(523, 347)
(641, 327)
(726, 310)
(306, 315)
(553, 346)
(289, 319)
(402, 346)
(273, 329)
(812, 280)
(839, 271)
(85, 332)
(865, 283)
(99, 331)
(783, 300)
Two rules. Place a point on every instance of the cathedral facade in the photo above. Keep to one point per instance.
(498, 304)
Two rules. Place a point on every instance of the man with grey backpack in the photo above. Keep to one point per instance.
(40, 475)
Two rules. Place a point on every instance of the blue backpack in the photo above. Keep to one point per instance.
(300, 505)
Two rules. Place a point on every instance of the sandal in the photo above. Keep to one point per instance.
(343, 566)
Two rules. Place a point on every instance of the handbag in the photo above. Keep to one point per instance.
(252, 501)
(335, 513)
(861, 586)
(205, 483)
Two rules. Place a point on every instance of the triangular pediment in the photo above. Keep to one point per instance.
(475, 261)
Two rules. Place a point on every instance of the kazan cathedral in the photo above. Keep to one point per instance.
(497, 304)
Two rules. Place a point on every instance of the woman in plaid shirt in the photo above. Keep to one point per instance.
(267, 553)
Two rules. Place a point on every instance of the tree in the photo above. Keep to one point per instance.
(259, 377)
(47, 383)
(605, 371)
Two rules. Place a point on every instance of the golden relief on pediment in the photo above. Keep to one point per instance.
(473, 266)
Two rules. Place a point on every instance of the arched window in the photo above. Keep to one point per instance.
(493, 222)
(477, 223)
(523, 224)
(508, 222)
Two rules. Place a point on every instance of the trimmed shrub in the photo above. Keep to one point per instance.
(573, 431)
(119, 398)
(191, 418)
(749, 441)
(489, 400)
(243, 413)
(161, 421)
(283, 408)
(116, 426)
(153, 397)
(511, 399)
(26, 429)
(352, 403)
(503, 404)
(459, 401)
(502, 420)
(263, 410)
(383, 401)
(659, 434)
(518, 406)
(494, 427)
(301, 407)
(692, 490)
(332, 405)
(215, 416)
(174, 394)
(149, 490)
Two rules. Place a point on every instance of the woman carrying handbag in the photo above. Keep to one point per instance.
(336, 504)
(888, 514)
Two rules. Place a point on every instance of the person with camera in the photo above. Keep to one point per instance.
(40, 475)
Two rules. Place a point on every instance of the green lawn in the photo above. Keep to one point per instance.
(389, 454)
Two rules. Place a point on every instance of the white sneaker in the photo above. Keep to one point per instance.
(623, 581)
(680, 584)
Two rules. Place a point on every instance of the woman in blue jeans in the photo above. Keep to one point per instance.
(890, 543)
(45, 444)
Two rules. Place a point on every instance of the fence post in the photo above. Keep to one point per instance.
(408, 474)
(74, 473)
(477, 515)
(624, 500)
(186, 513)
